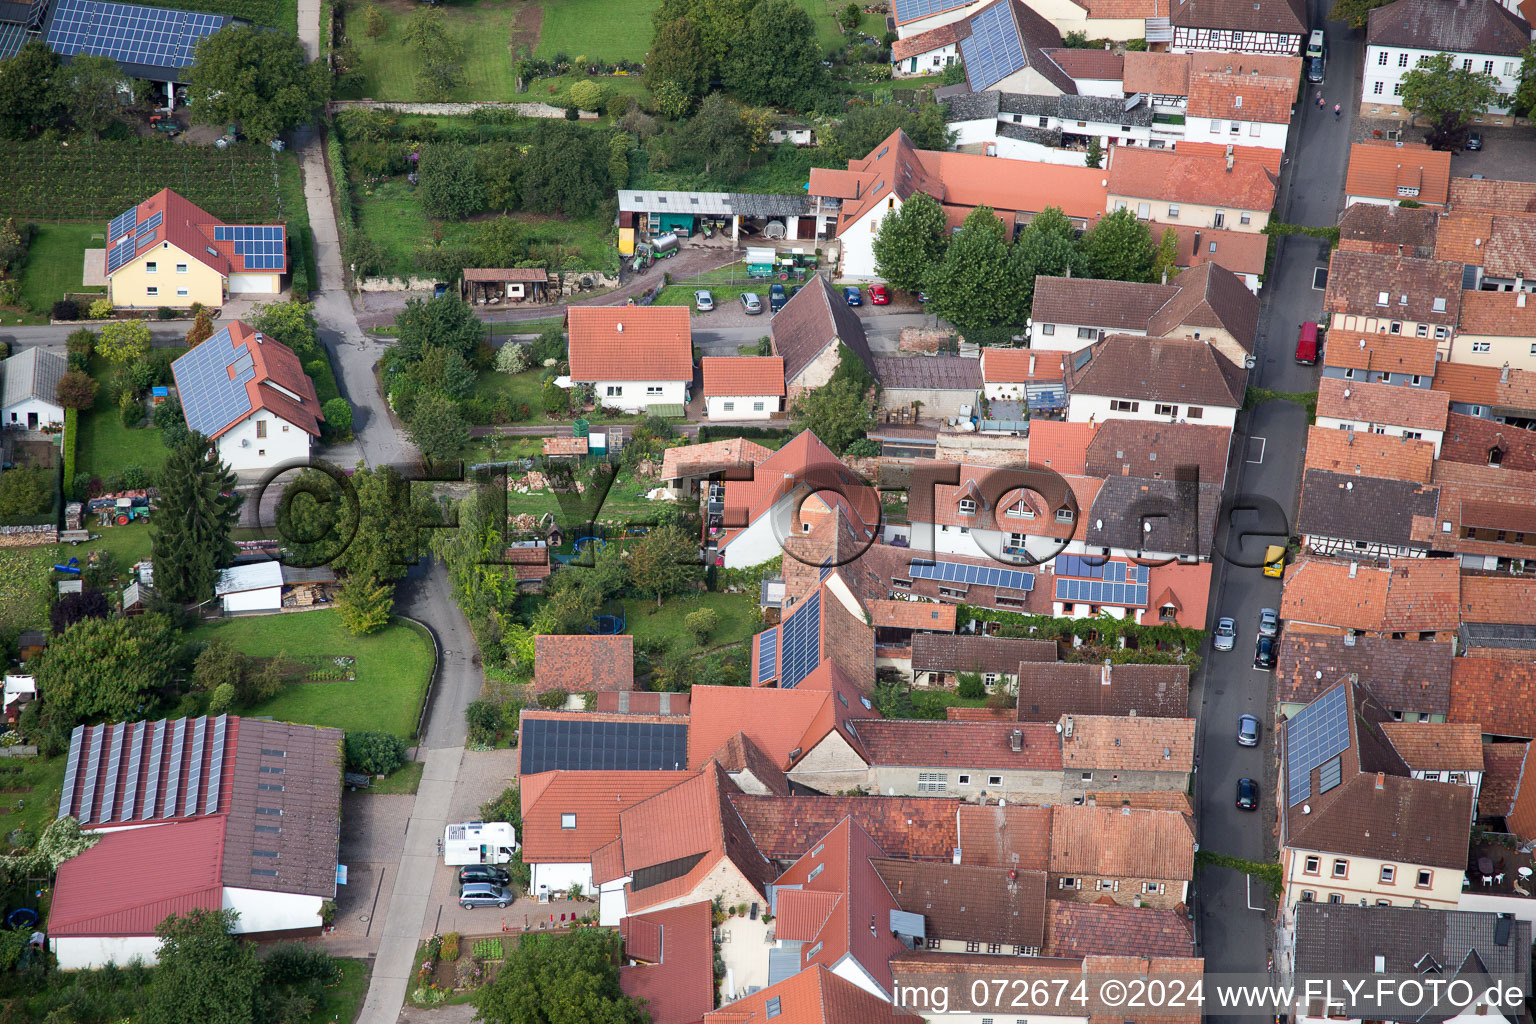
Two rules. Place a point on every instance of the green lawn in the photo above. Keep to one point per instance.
(723, 294)
(56, 263)
(393, 667)
(621, 29)
(340, 1003)
(405, 780)
(41, 805)
(105, 446)
(482, 27)
(738, 618)
(24, 587)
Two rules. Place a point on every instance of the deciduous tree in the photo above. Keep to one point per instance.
(560, 979)
(257, 79)
(565, 169)
(72, 608)
(1447, 96)
(30, 91)
(776, 59)
(666, 561)
(365, 603)
(910, 242)
(123, 341)
(205, 973)
(1354, 12)
(678, 56)
(1165, 264)
(446, 322)
(201, 329)
(717, 131)
(437, 428)
(1525, 92)
(77, 390)
(189, 535)
(25, 492)
(450, 189)
(1119, 248)
(837, 412)
(221, 663)
(107, 668)
(92, 85)
(292, 323)
(1046, 247)
(976, 284)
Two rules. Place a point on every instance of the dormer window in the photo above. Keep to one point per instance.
(1021, 510)
(1063, 515)
(1439, 305)
(967, 507)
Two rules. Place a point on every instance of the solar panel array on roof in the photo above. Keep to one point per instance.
(992, 52)
(215, 766)
(152, 791)
(1099, 569)
(261, 248)
(767, 654)
(71, 773)
(1101, 592)
(129, 33)
(981, 575)
(135, 760)
(210, 398)
(12, 36)
(1331, 774)
(580, 744)
(802, 642)
(910, 10)
(123, 224)
(1318, 732)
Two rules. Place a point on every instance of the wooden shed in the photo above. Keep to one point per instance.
(507, 285)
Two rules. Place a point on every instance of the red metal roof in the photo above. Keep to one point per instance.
(134, 878)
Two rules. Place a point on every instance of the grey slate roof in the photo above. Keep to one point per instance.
(1102, 108)
(33, 373)
(1456, 26)
(1347, 939)
(934, 373)
(1363, 508)
(1033, 104)
(973, 106)
(1040, 136)
(955, 652)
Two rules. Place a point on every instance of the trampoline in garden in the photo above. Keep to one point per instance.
(609, 621)
(581, 543)
(21, 917)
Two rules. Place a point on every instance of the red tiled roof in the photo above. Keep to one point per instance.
(778, 721)
(190, 229)
(1088, 929)
(1387, 404)
(998, 836)
(1018, 365)
(276, 366)
(1379, 170)
(1503, 764)
(802, 912)
(927, 615)
(783, 828)
(642, 702)
(595, 798)
(500, 274)
(812, 996)
(1389, 353)
(630, 343)
(1122, 842)
(1359, 453)
(1060, 445)
(1157, 73)
(807, 467)
(1496, 694)
(134, 878)
(1498, 599)
(743, 375)
(713, 457)
(565, 446)
(1241, 252)
(677, 985)
(933, 39)
(1100, 65)
(740, 755)
(583, 663)
(1176, 176)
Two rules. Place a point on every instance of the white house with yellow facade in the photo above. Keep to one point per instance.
(168, 252)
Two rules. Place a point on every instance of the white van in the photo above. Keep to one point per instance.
(1315, 44)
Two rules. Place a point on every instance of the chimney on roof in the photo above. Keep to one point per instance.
(1016, 741)
(1354, 568)
(1031, 365)
(1381, 780)
(258, 337)
(1104, 673)
(619, 327)
(1520, 300)
(1504, 374)
(1230, 160)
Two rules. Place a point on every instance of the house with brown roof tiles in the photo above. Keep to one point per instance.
(916, 757)
(1206, 191)
(1229, 26)
(1126, 753)
(1496, 330)
(1450, 752)
(1097, 929)
(1412, 679)
(672, 963)
(1392, 294)
(809, 334)
(581, 664)
(938, 658)
(1324, 596)
(784, 828)
(1241, 252)
(1354, 454)
(1005, 515)
(1366, 517)
(1392, 230)
(1480, 34)
(1382, 408)
(1170, 379)
(1252, 98)
(1502, 395)
(685, 467)
(1207, 303)
(964, 907)
(1485, 516)
(1024, 375)
(1354, 822)
(1135, 857)
(743, 387)
(1478, 442)
(812, 996)
(636, 357)
(1048, 691)
(1386, 173)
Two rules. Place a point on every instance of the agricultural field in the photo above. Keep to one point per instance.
(48, 182)
(391, 669)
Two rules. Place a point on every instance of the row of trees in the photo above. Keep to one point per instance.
(978, 278)
(240, 75)
(763, 51)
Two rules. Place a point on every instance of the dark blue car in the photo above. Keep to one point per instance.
(853, 295)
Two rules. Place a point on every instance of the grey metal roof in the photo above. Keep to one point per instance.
(939, 373)
(1340, 938)
(710, 204)
(973, 106)
(33, 373)
(1496, 634)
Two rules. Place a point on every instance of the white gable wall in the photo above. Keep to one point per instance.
(78, 953)
(263, 911)
(46, 412)
(639, 395)
(242, 449)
